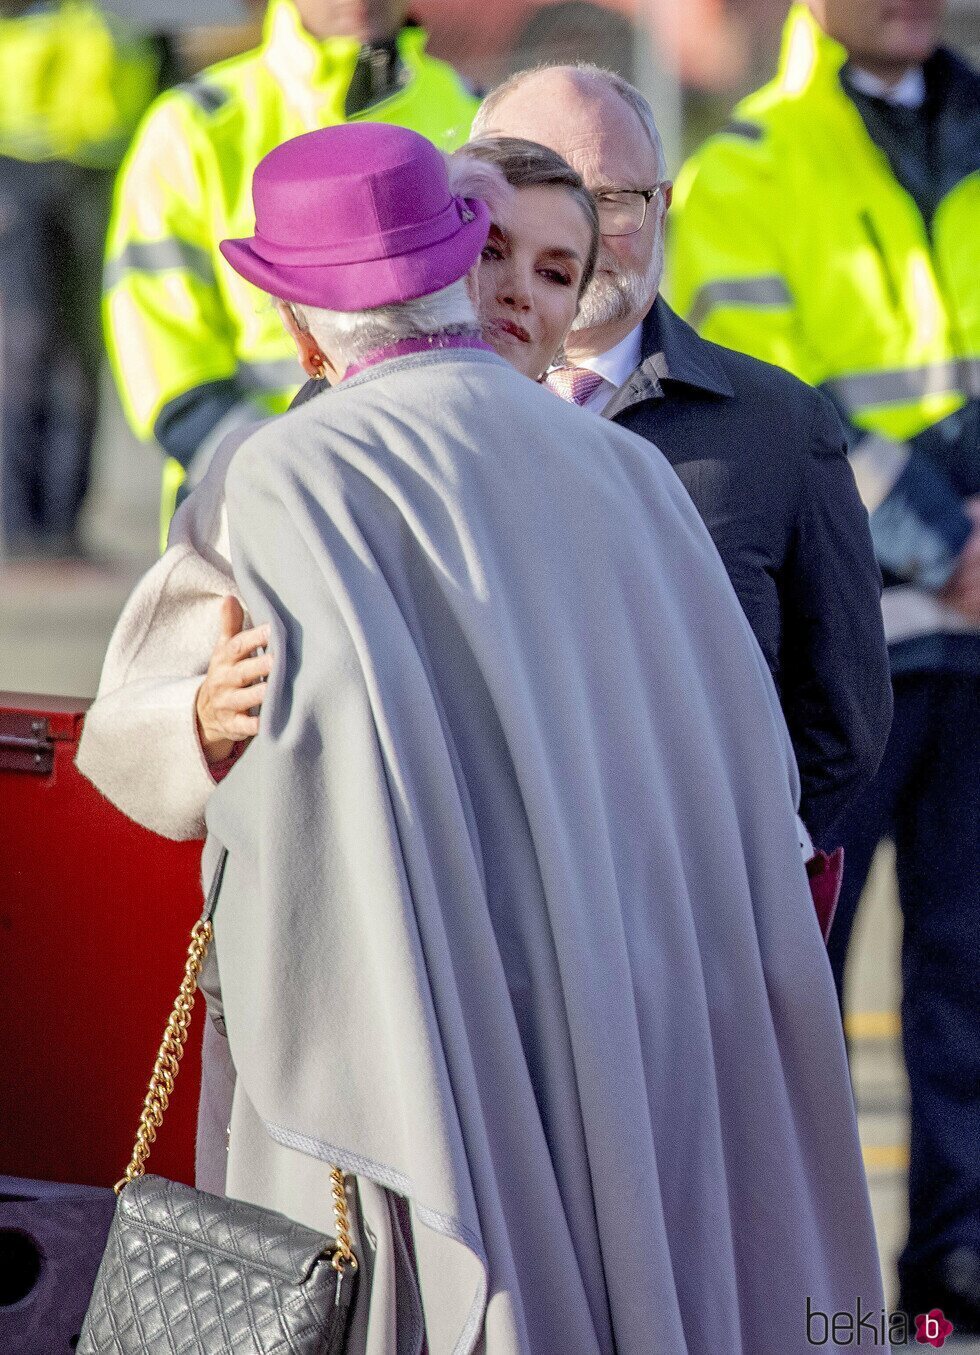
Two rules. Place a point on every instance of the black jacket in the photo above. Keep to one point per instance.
(764, 458)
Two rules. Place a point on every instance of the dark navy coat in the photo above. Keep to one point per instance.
(764, 458)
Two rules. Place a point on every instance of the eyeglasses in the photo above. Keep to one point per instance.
(622, 211)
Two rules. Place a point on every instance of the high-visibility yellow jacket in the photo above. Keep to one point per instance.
(177, 316)
(73, 84)
(792, 239)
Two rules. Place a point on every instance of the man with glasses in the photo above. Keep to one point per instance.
(762, 455)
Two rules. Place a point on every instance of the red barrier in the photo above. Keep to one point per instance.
(94, 920)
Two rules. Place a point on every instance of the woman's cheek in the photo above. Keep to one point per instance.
(560, 316)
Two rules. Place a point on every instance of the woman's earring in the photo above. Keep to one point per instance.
(320, 369)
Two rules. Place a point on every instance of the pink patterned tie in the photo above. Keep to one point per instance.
(577, 385)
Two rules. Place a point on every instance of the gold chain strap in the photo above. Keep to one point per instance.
(344, 1254)
(169, 1057)
(162, 1085)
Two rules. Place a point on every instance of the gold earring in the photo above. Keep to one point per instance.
(320, 369)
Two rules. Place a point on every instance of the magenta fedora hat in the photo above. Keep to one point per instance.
(357, 216)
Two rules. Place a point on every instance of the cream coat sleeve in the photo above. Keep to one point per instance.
(139, 745)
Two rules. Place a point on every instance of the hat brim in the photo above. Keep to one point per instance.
(374, 282)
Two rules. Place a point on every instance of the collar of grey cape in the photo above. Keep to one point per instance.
(675, 352)
(312, 388)
(514, 921)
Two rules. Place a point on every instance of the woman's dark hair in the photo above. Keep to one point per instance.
(526, 164)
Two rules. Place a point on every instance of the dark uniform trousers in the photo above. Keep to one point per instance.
(53, 219)
(926, 797)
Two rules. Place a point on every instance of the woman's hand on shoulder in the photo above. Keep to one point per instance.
(234, 686)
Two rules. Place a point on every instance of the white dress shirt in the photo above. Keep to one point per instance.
(615, 367)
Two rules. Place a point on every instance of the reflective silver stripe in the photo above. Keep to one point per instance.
(271, 376)
(158, 256)
(877, 462)
(855, 393)
(970, 368)
(764, 292)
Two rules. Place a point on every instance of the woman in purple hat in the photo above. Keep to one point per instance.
(176, 700)
(514, 927)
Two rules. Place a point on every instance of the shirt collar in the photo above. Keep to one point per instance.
(678, 353)
(910, 92)
(675, 353)
(618, 364)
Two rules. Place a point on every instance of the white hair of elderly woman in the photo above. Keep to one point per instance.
(350, 335)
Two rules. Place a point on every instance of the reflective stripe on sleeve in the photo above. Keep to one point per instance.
(158, 256)
(764, 292)
(905, 384)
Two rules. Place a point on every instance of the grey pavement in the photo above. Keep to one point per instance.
(54, 628)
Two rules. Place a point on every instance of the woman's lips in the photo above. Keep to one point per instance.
(512, 328)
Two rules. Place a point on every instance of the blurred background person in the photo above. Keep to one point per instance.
(576, 30)
(705, 44)
(73, 84)
(833, 227)
(195, 349)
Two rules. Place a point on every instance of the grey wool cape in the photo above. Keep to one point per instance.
(515, 924)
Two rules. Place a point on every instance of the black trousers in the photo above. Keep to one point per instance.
(926, 796)
(53, 220)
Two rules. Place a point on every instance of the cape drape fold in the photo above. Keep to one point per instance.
(515, 922)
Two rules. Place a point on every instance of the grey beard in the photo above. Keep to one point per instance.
(609, 299)
(615, 297)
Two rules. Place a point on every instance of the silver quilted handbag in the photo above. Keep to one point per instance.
(188, 1273)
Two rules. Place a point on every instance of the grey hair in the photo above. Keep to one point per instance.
(352, 335)
(584, 71)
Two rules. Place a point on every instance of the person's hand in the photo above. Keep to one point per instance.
(234, 685)
(962, 593)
